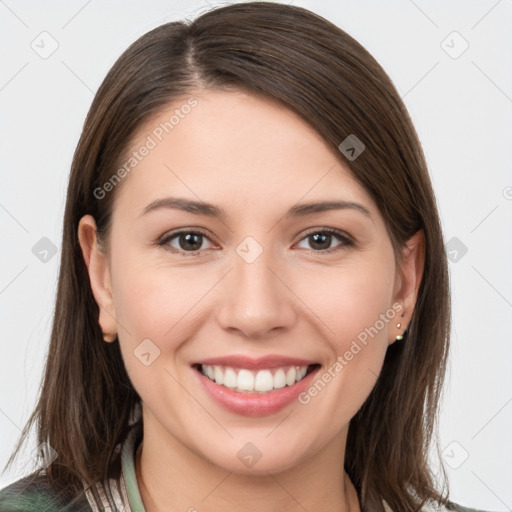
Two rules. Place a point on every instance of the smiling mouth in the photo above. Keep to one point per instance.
(261, 381)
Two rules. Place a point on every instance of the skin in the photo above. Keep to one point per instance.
(255, 159)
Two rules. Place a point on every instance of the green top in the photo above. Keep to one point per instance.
(33, 494)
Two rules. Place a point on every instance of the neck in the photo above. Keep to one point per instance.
(170, 477)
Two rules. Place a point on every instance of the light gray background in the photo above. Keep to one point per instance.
(461, 108)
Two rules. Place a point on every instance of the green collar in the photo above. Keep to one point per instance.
(128, 464)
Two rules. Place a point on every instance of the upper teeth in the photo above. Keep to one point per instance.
(260, 381)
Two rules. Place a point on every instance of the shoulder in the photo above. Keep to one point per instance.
(33, 493)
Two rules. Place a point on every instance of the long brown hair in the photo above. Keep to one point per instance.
(314, 68)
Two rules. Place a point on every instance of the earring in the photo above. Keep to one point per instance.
(400, 337)
(109, 337)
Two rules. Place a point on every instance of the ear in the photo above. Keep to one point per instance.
(99, 275)
(408, 281)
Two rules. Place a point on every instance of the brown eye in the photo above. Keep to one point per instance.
(185, 241)
(321, 240)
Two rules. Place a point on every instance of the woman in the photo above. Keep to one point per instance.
(253, 303)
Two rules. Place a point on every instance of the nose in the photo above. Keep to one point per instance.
(256, 301)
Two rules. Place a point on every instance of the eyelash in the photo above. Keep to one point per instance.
(340, 235)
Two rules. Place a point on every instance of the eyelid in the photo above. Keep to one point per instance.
(331, 231)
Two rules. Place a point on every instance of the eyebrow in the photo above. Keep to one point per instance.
(210, 210)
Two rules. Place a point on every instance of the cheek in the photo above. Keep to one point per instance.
(148, 301)
(156, 309)
(361, 309)
(349, 299)
(354, 305)
(152, 299)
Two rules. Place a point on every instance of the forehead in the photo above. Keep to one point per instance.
(241, 149)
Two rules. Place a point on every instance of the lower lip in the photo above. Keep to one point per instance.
(255, 404)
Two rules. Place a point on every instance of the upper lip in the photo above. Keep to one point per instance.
(250, 363)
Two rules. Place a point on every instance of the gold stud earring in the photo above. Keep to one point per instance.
(400, 337)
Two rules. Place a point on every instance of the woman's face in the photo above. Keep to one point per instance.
(249, 287)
